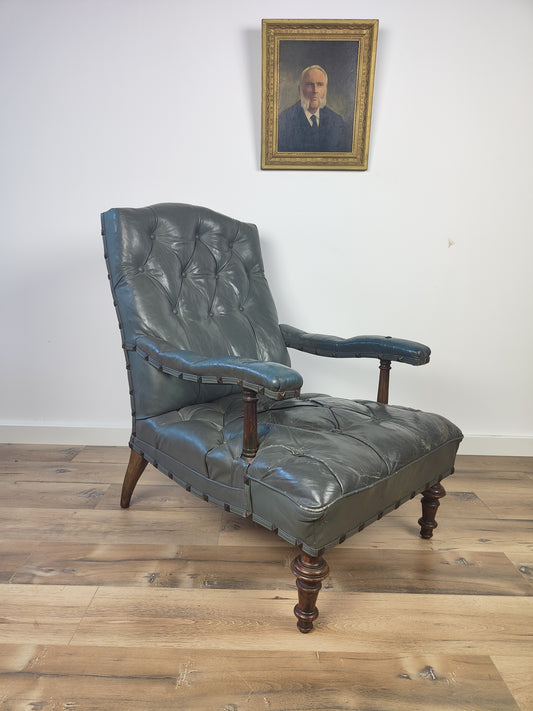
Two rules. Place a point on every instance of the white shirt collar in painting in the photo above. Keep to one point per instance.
(309, 114)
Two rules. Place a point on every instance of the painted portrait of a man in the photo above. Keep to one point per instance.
(313, 122)
(317, 87)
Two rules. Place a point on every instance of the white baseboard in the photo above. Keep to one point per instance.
(487, 445)
(497, 446)
(98, 436)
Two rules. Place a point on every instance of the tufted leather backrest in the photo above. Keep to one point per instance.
(194, 278)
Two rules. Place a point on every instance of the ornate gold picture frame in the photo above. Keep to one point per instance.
(317, 84)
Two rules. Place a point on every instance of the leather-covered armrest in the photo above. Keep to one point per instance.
(275, 380)
(382, 347)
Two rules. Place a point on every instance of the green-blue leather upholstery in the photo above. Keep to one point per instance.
(198, 323)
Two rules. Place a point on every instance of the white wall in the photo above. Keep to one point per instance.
(130, 102)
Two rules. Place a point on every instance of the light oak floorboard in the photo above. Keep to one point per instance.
(247, 567)
(68, 472)
(206, 680)
(349, 622)
(517, 672)
(38, 453)
(121, 526)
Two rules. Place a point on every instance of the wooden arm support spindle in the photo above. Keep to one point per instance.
(384, 376)
(249, 434)
(310, 571)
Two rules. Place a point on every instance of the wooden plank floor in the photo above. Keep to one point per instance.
(175, 604)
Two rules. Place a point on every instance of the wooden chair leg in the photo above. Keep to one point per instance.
(136, 466)
(430, 504)
(310, 571)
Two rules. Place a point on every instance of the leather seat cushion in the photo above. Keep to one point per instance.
(325, 467)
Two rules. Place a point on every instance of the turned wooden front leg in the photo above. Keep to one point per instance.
(430, 504)
(310, 571)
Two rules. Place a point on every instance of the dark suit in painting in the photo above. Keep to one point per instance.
(295, 133)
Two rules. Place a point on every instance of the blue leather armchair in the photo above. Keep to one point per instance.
(217, 407)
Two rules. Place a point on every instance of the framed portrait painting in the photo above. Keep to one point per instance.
(317, 85)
